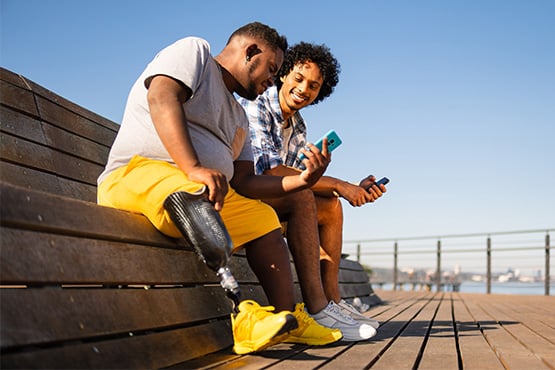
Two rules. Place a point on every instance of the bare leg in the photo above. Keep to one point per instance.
(268, 257)
(299, 209)
(330, 224)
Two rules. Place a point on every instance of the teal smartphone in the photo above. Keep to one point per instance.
(333, 142)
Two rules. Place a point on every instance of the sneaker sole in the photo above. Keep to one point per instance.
(356, 337)
(261, 344)
(315, 341)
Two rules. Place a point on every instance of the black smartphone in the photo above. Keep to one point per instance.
(382, 181)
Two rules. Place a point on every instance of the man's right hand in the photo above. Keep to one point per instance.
(214, 180)
(316, 162)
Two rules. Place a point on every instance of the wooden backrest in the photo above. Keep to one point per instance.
(49, 143)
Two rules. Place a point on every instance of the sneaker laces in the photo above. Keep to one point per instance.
(303, 315)
(255, 309)
(335, 310)
(349, 306)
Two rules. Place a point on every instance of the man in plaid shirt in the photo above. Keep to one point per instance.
(278, 136)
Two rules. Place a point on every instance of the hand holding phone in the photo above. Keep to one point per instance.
(382, 181)
(333, 142)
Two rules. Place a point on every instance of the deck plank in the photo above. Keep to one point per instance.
(510, 351)
(393, 321)
(474, 349)
(406, 349)
(441, 348)
(534, 340)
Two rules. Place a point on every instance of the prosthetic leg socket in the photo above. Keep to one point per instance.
(202, 226)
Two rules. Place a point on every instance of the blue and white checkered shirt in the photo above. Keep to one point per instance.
(267, 133)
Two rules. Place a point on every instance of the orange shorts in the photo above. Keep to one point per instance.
(143, 184)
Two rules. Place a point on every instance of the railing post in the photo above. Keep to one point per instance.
(358, 252)
(547, 263)
(438, 269)
(488, 269)
(395, 255)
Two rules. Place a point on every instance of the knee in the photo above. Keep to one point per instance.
(329, 208)
(305, 196)
(301, 202)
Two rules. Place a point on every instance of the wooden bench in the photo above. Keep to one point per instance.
(85, 286)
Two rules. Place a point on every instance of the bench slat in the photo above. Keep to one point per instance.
(152, 351)
(34, 210)
(21, 125)
(359, 276)
(12, 78)
(75, 123)
(355, 290)
(77, 146)
(39, 157)
(67, 314)
(18, 97)
(90, 261)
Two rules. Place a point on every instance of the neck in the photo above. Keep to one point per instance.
(229, 81)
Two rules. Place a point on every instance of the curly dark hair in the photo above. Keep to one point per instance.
(318, 54)
(264, 32)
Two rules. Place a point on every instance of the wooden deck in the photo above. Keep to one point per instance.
(427, 330)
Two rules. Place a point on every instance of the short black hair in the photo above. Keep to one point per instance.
(318, 54)
(264, 32)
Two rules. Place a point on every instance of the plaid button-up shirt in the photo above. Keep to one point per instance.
(271, 145)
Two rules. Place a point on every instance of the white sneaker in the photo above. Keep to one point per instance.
(350, 310)
(352, 330)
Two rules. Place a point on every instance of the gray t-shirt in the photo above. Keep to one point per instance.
(217, 123)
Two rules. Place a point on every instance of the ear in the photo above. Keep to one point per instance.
(252, 50)
(282, 78)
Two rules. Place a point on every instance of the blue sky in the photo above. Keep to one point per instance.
(454, 101)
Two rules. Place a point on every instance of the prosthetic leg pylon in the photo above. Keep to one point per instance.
(202, 226)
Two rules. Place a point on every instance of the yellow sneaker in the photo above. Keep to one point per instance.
(310, 332)
(256, 328)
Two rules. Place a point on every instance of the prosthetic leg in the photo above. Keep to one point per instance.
(203, 228)
(254, 327)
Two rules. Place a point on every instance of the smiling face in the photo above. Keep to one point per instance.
(300, 88)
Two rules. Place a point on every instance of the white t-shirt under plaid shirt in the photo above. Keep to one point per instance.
(273, 145)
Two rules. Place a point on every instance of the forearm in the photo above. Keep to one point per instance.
(325, 186)
(268, 185)
(328, 186)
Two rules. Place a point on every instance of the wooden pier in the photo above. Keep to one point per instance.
(427, 330)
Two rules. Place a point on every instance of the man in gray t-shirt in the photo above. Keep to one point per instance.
(182, 158)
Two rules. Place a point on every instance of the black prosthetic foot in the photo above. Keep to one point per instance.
(202, 226)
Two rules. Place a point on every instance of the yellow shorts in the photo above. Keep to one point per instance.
(143, 184)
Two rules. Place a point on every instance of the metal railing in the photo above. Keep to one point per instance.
(483, 255)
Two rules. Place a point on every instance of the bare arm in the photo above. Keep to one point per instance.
(165, 100)
(266, 186)
(328, 186)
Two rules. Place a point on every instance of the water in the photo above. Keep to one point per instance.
(496, 288)
(507, 288)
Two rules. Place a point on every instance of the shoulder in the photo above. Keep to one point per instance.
(188, 46)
